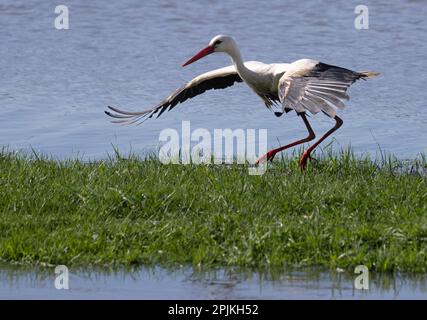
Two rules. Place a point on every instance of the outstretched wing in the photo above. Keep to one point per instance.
(216, 79)
(315, 86)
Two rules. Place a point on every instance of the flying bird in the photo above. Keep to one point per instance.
(303, 85)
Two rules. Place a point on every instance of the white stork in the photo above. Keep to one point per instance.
(304, 85)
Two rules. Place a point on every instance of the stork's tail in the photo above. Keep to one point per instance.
(368, 74)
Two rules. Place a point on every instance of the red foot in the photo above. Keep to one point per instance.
(269, 156)
(304, 158)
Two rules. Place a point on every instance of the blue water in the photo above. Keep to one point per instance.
(55, 84)
(186, 283)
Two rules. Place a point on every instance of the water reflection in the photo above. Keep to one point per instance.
(189, 283)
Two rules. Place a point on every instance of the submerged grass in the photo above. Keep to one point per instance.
(342, 212)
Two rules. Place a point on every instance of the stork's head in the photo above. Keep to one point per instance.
(218, 43)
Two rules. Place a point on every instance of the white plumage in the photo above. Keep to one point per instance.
(304, 85)
(314, 86)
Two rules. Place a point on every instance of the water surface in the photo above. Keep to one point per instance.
(55, 84)
(187, 283)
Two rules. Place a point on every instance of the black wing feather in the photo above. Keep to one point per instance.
(178, 96)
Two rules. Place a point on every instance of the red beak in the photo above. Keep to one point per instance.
(204, 52)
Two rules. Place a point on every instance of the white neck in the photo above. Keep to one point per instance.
(237, 60)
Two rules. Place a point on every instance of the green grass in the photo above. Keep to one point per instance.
(343, 211)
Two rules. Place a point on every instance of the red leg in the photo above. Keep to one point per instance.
(306, 155)
(270, 154)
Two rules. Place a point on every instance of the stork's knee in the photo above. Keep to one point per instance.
(339, 121)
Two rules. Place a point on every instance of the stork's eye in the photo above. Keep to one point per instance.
(217, 42)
